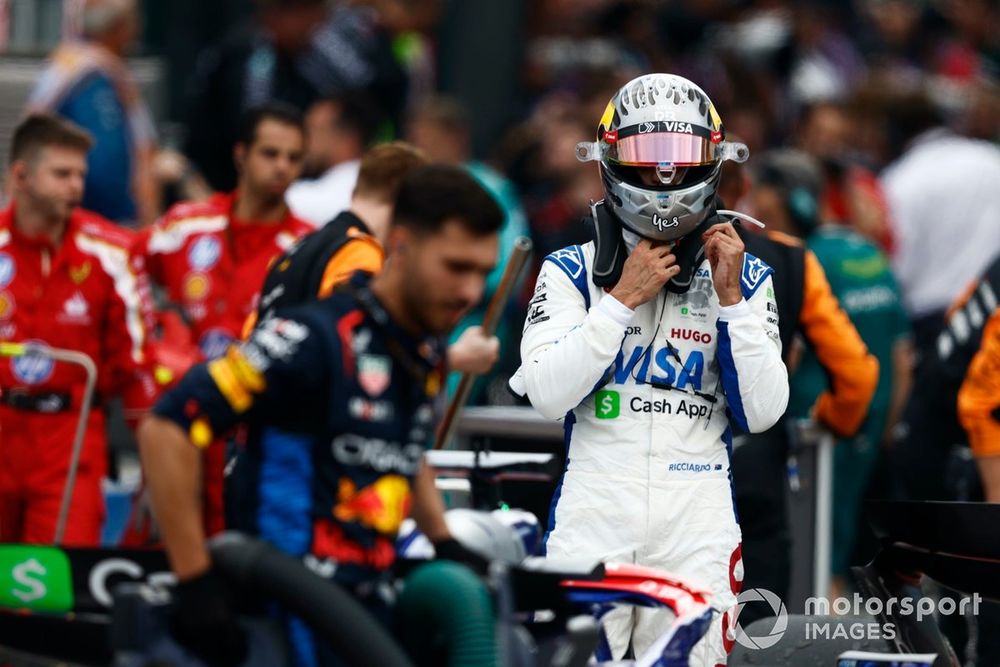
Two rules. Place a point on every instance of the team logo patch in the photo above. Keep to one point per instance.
(8, 269)
(204, 253)
(33, 367)
(370, 411)
(570, 259)
(433, 384)
(80, 273)
(374, 371)
(196, 286)
(754, 270)
(76, 310)
(6, 305)
(214, 343)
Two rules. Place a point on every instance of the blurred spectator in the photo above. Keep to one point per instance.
(295, 51)
(945, 205)
(211, 257)
(540, 158)
(88, 82)
(851, 193)
(976, 48)
(440, 128)
(338, 132)
(897, 36)
(67, 281)
(824, 63)
(787, 187)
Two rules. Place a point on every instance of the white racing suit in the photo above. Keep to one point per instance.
(647, 396)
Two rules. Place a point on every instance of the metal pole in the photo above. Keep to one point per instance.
(79, 359)
(824, 515)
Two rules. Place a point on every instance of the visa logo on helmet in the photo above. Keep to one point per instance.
(677, 126)
(665, 370)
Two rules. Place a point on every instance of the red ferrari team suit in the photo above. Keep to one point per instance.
(87, 293)
(212, 265)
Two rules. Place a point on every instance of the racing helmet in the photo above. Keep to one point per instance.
(660, 145)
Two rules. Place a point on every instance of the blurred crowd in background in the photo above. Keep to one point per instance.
(895, 102)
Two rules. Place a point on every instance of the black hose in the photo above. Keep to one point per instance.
(333, 613)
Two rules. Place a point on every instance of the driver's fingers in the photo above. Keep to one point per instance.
(727, 243)
(725, 228)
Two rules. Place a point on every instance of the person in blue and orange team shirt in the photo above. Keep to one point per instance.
(66, 280)
(211, 257)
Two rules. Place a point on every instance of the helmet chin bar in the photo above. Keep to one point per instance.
(667, 173)
(594, 151)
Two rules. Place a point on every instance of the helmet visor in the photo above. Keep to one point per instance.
(662, 142)
(649, 150)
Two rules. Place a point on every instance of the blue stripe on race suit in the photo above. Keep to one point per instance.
(568, 422)
(727, 437)
(603, 651)
(571, 261)
(755, 271)
(284, 511)
(730, 380)
(284, 516)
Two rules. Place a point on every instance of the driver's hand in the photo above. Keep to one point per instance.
(648, 268)
(474, 352)
(724, 250)
(203, 622)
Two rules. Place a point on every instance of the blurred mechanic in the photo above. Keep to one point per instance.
(647, 341)
(354, 241)
(979, 397)
(929, 457)
(764, 466)
(962, 364)
(211, 257)
(360, 370)
(873, 372)
(339, 131)
(66, 280)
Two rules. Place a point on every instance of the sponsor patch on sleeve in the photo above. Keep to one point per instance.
(755, 270)
(571, 261)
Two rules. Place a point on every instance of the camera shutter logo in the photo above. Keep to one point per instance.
(780, 619)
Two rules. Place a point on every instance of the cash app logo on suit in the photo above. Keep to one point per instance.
(607, 404)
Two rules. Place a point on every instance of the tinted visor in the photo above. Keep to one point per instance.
(650, 144)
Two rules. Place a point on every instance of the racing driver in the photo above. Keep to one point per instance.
(650, 340)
